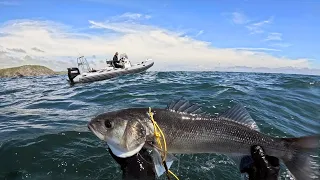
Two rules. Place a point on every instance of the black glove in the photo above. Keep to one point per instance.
(260, 166)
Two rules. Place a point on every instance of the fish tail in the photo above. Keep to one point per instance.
(301, 163)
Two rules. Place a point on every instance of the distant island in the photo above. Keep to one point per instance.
(28, 70)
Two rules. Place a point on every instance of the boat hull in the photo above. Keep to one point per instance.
(101, 75)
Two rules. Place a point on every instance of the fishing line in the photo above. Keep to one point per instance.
(159, 135)
(149, 162)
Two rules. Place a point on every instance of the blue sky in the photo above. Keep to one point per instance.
(282, 29)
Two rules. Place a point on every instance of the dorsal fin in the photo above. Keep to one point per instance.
(240, 114)
(184, 106)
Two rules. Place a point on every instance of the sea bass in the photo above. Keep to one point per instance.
(188, 130)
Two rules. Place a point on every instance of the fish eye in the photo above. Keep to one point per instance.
(108, 124)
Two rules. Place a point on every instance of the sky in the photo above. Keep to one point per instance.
(177, 35)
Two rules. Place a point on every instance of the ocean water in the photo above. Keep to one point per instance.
(43, 120)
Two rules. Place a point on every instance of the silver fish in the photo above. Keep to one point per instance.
(188, 130)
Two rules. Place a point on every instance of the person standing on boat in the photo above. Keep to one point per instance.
(116, 61)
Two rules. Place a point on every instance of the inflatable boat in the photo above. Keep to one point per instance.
(91, 75)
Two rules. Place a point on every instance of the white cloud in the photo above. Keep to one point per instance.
(282, 45)
(9, 3)
(255, 49)
(121, 27)
(37, 49)
(199, 33)
(256, 28)
(170, 51)
(274, 37)
(17, 50)
(239, 18)
(261, 23)
(134, 16)
(131, 15)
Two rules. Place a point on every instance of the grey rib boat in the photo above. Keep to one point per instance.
(90, 75)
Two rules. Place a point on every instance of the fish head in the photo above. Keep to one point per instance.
(121, 130)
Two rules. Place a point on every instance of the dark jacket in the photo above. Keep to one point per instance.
(136, 167)
(115, 59)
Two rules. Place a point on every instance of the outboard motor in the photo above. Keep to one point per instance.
(72, 73)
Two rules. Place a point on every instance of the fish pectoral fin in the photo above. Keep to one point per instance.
(241, 115)
(171, 157)
(302, 163)
(157, 161)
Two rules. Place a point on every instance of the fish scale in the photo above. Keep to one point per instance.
(210, 133)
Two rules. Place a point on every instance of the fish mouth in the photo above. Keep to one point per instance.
(95, 132)
(90, 127)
